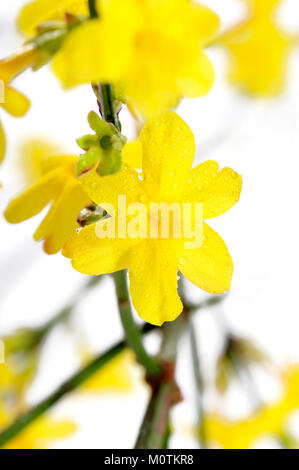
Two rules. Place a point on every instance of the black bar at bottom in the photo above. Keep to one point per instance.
(139, 458)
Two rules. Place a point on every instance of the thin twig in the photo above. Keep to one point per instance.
(199, 384)
(154, 430)
(132, 332)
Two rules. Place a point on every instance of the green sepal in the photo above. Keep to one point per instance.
(118, 141)
(110, 164)
(98, 125)
(50, 37)
(88, 160)
(88, 141)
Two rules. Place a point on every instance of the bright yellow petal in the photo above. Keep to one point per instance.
(93, 255)
(2, 143)
(259, 64)
(92, 53)
(106, 189)
(67, 162)
(15, 103)
(132, 154)
(116, 376)
(157, 98)
(262, 9)
(15, 64)
(35, 198)
(197, 77)
(168, 152)
(40, 434)
(153, 281)
(39, 11)
(258, 51)
(61, 221)
(33, 153)
(228, 434)
(209, 267)
(206, 21)
(217, 190)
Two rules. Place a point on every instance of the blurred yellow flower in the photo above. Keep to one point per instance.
(258, 50)
(37, 435)
(55, 184)
(115, 376)
(158, 59)
(167, 147)
(15, 376)
(14, 64)
(14, 103)
(40, 11)
(270, 420)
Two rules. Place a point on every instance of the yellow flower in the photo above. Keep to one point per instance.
(57, 184)
(37, 435)
(16, 63)
(116, 376)
(40, 434)
(268, 420)
(15, 376)
(258, 50)
(167, 148)
(149, 48)
(14, 103)
(40, 11)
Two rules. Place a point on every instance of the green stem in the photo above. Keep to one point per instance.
(199, 384)
(92, 9)
(68, 386)
(154, 431)
(156, 420)
(132, 332)
(107, 102)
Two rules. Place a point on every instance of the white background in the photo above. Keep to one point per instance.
(260, 140)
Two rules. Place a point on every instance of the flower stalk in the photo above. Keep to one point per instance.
(155, 429)
(132, 332)
(199, 384)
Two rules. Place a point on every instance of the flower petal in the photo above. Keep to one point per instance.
(206, 21)
(35, 198)
(217, 190)
(209, 267)
(2, 143)
(93, 53)
(33, 154)
(197, 77)
(153, 282)
(39, 11)
(106, 189)
(40, 434)
(115, 376)
(61, 221)
(132, 154)
(13, 65)
(168, 152)
(93, 255)
(15, 103)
